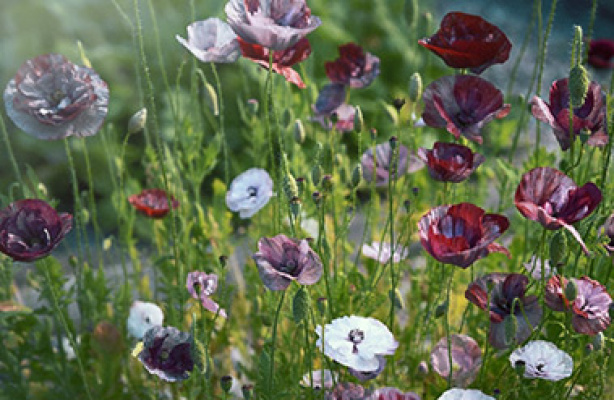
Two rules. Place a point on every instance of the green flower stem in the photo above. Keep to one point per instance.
(270, 383)
(9, 150)
(92, 203)
(220, 97)
(446, 325)
(393, 278)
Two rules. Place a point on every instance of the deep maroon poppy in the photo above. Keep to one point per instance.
(600, 53)
(167, 352)
(449, 162)
(462, 233)
(468, 41)
(589, 118)
(354, 67)
(201, 286)
(283, 60)
(281, 260)
(550, 197)
(152, 202)
(495, 293)
(30, 229)
(462, 104)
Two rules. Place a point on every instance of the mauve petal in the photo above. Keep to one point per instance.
(580, 203)
(515, 285)
(271, 277)
(554, 293)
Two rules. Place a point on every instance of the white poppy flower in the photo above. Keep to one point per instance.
(356, 342)
(464, 394)
(211, 40)
(249, 192)
(318, 382)
(382, 252)
(543, 360)
(143, 316)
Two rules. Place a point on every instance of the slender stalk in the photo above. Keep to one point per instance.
(446, 325)
(92, 202)
(270, 383)
(220, 97)
(9, 150)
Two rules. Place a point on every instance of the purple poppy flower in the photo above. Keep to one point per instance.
(167, 352)
(449, 162)
(347, 391)
(600, 53)
(353, 68)
(211, 40)
(499, 302)
(274, 24)
(590, 117)
(466, 359)
(462, 233)
(30, 229)
(281, 260)
(51, 98)
(462, 104)
(380, 167)
(550, 197)
(201, 286)
(391, 393)
(330, 102)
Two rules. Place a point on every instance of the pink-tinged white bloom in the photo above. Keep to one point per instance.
(356, 342)
(464, 394)
(391, 393)
(542, 360)
(466, 359)
(382, 252)
(211, 40)
(274, 24)
(536, 267)
(51, 98)
(319, 381)
(249, 192)
(201, 286)
(143, 316)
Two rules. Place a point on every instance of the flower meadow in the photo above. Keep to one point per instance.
(300, 199)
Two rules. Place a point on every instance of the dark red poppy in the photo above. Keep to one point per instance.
(354, 67)
(167, 352)
(462, 233)
(590, 118)
(468, 41)
(30, 229)
(462, 104)
(153, 202)
(553, 199)
(600, 53)
(449, 162)
(283, 60)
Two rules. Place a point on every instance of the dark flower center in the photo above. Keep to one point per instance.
(356, 336)
(289, 266)
(252, 191)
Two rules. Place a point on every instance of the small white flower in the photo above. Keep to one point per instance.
(318, 382)
(142, 317)
(543, 360)
(464, 394)
(534, 266)
(211, 40)
(381, 252)
(249, 192)
(356, 342)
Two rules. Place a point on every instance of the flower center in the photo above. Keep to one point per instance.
(288, 266)
(356, 336)
(252, 191)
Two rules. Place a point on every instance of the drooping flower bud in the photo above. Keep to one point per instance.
(415, 87)
(299, 132)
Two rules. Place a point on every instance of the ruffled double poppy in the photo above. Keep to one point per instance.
(153, 202)
(354, 68)
(448, 162)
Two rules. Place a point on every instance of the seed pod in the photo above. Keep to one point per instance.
(295, 206)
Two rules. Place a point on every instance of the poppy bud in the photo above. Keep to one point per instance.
(415, 87)
(321, 305)
(358, 120)
(571, 290)
(286, 117)
(510, 328)
(578, 85)
(356, 175)
(212, 100)
(316, 174)
(289, 186)
(226, 383)
(137, 121)
(317, 198)
(441, 309)
(299, 132)
(598, 340)
(300, 305)
(558, 248)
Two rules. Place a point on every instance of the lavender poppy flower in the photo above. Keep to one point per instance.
(462, 233)
(201, 286)
(499, 302)
(449, 162)
(542, 360)
(281, 260)
(211, 40)
(466, 359)
(347, 391)
(354, 67)
(464, 394)
(249, 192)
(462, 104)
(274, 24)
(167, 352)
(590, 117)
(548, 196)
(381, 168)
(153, 202)
(30, 229)
(391, 393)
(51, 98)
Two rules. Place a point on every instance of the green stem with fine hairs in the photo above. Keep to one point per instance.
(9, 150)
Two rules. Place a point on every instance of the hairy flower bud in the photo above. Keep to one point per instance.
(571, 290)
(358, 120)
(356, 175)
(558, 248)
(299, 132)
(578, 85)
(300, 305)
(415, 87)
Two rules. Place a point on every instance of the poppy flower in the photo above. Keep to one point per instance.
(462, 233)
(550, 197)
(201, 286)
(466, 359)
(282, 60)
(391, 393)
(153, 202)
(543, 360)
(347, 391)
(167, 352)
(51, 98)
(281, 260)
(608, 230)
(249, 192)
(462, 104)
(468, 41)
(211, 40)
(464, 394)
(364, 376)
(589, 118)
(496, 293)
(320, 381)
(354, 67)
(143, 316)
(448, 162)
(600, 53)
(331, 103)
(273, 24)
(381, 166)
(382, 252)
(30, 229)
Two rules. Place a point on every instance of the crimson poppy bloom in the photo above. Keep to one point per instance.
(167, 352)
(153, 202)
(449, 162)
(495, 293)
(550, 197)
(30, 229)
(468, 41)
(462, 104)
(354, 67)
(282, 60)
(600, 53)
(462, 233)
(589, 118)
